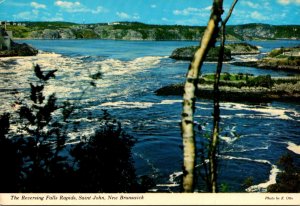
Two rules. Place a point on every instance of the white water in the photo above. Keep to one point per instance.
(154, 120)
(262, 187)
(293, 147)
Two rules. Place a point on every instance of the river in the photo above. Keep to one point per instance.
(253, 136)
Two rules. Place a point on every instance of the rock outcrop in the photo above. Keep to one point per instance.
(187, 53)
(287, 59)
(19, 50)
(242, 49)
(284, 92)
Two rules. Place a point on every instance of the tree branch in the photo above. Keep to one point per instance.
(187, 123)
(215, 135)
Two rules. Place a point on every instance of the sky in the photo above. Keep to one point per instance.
(170, 12)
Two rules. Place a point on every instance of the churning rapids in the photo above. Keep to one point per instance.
(253, 136)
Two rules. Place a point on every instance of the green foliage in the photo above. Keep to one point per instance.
(163, 32)
(226, 76)
(9, 158)
(85, 34)
(248, 182)
(289, 179)
(19, 31)
(260, 81)
(287, 31)
(49, 25)
(104, 161)
(224, 187)
(276, 52)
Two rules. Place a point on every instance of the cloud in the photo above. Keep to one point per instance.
(68, 4)
(98, 10)
(52, 17)
(35, 12)
(77, 7)
(258, 16)
(250, 4)
(286, 2)
(16, 4)
(207, 8)
(27, 15)
(190, 11)
(153, 6)
(2, 1)
(37, 5)
(194, 21)
(124, 15)
(56, 18)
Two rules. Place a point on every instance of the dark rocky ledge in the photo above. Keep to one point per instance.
(187, 53)
(235, 94)
(19, 50)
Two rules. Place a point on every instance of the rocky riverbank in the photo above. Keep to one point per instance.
(253, 91)
(234, 95)
(19, 50)
(187, 53)
(287, 59)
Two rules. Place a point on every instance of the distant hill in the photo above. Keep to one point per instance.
(141, 31)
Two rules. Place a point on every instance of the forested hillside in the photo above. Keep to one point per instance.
(140, 31)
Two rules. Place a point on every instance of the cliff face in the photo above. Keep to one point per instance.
(265, 31)
(140, 31)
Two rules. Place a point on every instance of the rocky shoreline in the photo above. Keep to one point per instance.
(268, 65)
(19, 50)
(247, 94)
(187, 53)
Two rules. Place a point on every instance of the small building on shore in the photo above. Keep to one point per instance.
(5, 37)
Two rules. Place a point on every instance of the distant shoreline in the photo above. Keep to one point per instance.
(134, 31)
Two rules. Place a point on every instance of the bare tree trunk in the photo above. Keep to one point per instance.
(215, 135)
(189, 98)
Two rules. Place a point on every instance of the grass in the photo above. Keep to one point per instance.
(247, 80)
(229, 77)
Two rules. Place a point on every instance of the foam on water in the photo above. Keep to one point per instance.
(244, 149)
(245, 58)
(262, 187)
(265, 111)
(73, 75)
(140, 105)
(228, 140)
(129, 105)
(167, 101)
(293, 147)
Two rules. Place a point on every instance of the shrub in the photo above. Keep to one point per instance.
(226, 76)
(260, 81)
(276, 52)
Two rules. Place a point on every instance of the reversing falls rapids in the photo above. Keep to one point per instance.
(253, 136)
